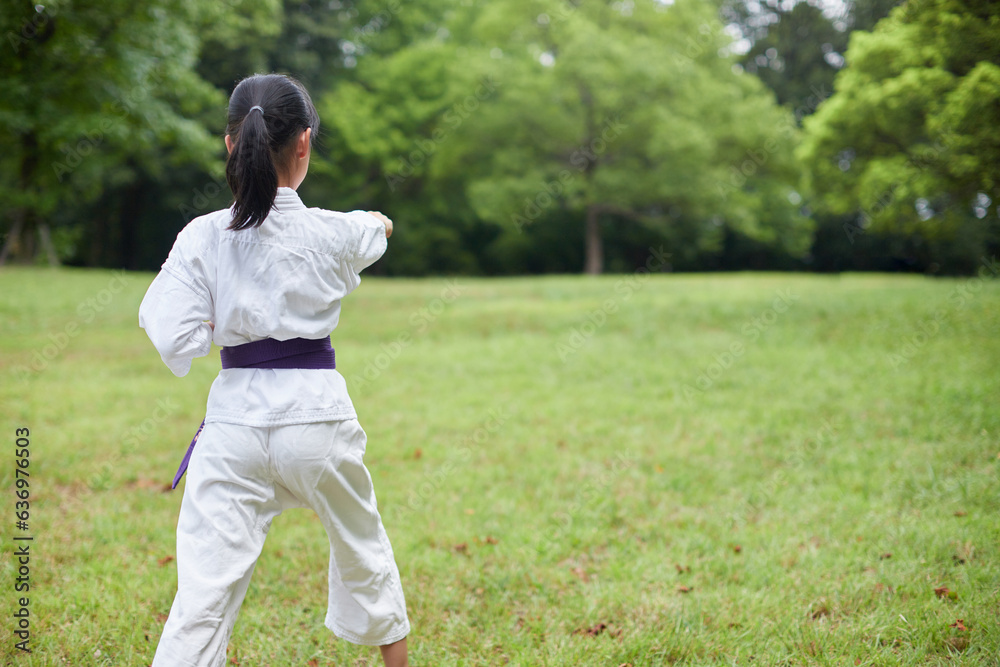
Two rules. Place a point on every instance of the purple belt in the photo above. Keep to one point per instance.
(269, 353)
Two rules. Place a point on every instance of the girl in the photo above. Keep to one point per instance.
(264, 280)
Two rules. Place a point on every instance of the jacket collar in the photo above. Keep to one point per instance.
(287, 200)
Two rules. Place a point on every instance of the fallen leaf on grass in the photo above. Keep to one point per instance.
(820, 611)
(684, 589)
(961, 513)
(681, 569)
(166, 559)
(313, 663)
(958, 625)
(592, 631)
(944, 592)
(461, 548)
(491, 540)
(885, 556)
(417, 454)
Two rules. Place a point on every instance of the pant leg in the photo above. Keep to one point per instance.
(227, 508)
(322, 465)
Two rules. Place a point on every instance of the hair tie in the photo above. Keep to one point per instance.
(255, 107)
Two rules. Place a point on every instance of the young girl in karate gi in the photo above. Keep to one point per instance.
(274, 437)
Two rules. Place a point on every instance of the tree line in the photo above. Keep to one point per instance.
(523, 136)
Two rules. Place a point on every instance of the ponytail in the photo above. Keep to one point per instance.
(267, 113)
(251, 174)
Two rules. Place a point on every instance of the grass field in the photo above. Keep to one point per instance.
(748, 469)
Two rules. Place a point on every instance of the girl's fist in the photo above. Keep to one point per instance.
(384, 220)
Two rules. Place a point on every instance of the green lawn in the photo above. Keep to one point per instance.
(766, 469)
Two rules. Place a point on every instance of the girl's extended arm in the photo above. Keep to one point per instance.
(386, 221)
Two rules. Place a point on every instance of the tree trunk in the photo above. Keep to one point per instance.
(20, 244)
(13, 243)
(47, 245)
(594, 246)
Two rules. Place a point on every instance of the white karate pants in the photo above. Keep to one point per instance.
(238, 480)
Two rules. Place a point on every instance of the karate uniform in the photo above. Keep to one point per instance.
(273, 438)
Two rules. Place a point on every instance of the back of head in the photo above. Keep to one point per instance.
(267, 113)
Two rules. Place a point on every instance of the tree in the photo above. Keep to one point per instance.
(794, 51)
(796, 48)
(618, 112)
(909, 143)
(94, 93)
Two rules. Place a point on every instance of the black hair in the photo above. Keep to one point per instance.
(261, 141)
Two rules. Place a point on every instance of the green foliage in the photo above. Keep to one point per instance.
(98, 92)
(509, 136)
(909, 140)
(795, 55)
(519, 111)
(796, 48)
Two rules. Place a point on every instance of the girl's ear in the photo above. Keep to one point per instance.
(229, 143)
(302, 146)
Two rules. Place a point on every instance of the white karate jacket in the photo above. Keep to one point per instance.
(282, 280)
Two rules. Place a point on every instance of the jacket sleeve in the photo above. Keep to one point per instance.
(177, 305)
(371, 241)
